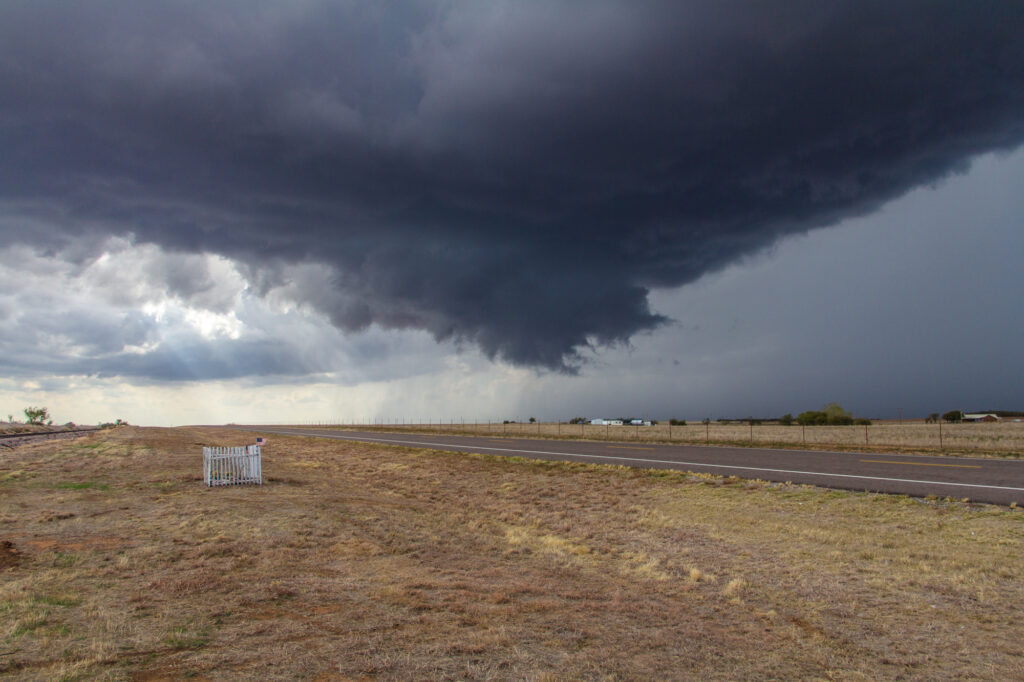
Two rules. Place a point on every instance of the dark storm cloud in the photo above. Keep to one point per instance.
(517, 175)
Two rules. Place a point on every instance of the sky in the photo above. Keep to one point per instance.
(315, 211)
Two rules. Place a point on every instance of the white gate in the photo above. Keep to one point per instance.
(232, 466)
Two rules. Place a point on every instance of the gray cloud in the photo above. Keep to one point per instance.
(514, 175)
(120, 315)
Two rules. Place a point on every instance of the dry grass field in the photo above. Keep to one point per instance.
(1005, 439)
(359, 561)
(9, 428)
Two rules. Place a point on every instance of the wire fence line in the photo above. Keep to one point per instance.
(1006, 438)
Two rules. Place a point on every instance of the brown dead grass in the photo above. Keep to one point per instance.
(359, 561)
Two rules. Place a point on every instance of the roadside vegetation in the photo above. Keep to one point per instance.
(37, 420)
(357, 560)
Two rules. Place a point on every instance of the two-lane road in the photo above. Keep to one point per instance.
(999, 481)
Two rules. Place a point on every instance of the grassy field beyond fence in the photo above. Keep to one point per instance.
(1004, 439)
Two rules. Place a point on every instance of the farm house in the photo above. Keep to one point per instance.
(981, 417)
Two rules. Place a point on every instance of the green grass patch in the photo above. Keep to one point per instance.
(64, 560)
(56, 600)
(83, 485)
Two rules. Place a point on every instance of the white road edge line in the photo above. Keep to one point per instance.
(655, 461)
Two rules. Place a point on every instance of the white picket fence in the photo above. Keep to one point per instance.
(232, 466)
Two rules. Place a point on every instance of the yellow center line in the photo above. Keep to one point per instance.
(922, 464)
(626, 447)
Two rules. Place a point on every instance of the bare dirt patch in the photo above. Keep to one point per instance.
(361, 561)
(8, 554)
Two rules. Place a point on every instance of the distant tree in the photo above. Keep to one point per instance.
(578, 420)
(677, 422)
(753, 422)
(812, 418)
(533, 420)
(953, 416)
(832, 414)
(786, 419)
(862, 422)
(837, 416)
(933, 418)
(36, 415)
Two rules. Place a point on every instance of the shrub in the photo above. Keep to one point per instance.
(677, 422)
(786, 419)
(36, 415)
(953, 416)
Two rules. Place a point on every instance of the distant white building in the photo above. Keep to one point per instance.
(606, 422)
(981, 417)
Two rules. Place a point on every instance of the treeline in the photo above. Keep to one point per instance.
(832, 414)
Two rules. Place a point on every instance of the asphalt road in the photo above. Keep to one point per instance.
(998, 481)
